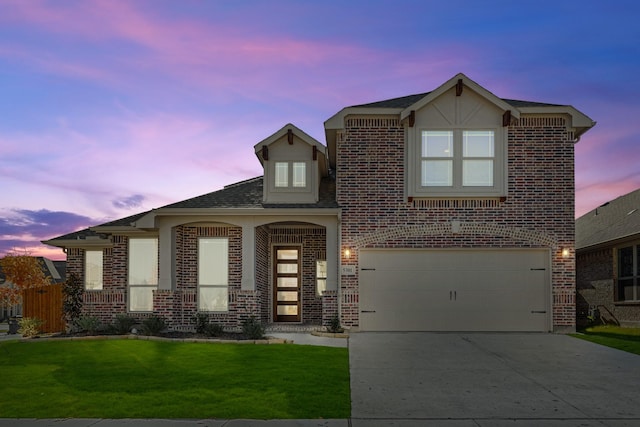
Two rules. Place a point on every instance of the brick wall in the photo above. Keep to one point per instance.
(538, 212)
(595, 283)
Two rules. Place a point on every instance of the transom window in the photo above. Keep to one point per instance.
(457, 159)
(93, 270)
(143, 273)
(628, 274)
(296, 170)
(213, 274)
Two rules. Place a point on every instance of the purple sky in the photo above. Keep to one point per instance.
(109, 108)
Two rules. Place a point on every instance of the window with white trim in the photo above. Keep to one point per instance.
(459, 162)
(296, 170)
(213, 273)
(93, 270)
(321, 276)
(143, 273)
(628, 280)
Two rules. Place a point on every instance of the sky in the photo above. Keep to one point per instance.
(111, 108)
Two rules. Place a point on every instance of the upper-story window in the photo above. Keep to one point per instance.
(459, 163)
(291, 175)
(457, 159)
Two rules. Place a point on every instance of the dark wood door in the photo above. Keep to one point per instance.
(286, 284)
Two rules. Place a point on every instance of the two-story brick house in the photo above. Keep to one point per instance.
(447, 210)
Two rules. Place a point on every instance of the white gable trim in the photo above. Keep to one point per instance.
(504, 106)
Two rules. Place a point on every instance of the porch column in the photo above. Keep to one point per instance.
(166, 257)
(248, 282)
(332, 255)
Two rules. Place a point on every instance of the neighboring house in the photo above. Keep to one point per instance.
(608, 262)
(56, 270)
(447, 210)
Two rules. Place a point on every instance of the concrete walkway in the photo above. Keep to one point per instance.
(461, 380)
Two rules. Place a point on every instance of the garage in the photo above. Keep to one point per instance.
(455, 290)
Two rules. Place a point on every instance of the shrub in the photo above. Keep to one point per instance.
(213, 330)
(252, 329)
(72, 291)
(202, 322)
(153, 325)
(29, 326)
(123, 324)
(89, 324)
(334, 325)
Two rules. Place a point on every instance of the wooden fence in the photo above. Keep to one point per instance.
(45, 303)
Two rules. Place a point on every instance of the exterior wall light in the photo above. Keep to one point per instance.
(347, 253)
(565, 252)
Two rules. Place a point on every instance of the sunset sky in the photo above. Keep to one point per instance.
(110, 108)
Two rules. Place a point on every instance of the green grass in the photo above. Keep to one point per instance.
(627, 339)
(153, 379)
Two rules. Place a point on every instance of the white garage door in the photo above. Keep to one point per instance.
(454, 290)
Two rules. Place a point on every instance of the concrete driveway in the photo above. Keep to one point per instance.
(490, 379)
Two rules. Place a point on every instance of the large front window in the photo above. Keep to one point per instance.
(213, 274)
(143, 273)
(628, 274)
(457, 159)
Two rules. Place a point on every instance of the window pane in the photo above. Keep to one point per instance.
(212, 298)
(288, 268)
(287, 282)
(321, 286)
(143, 261)
(299, 174)
(477, 143)
(321, 269)
(287, 296)
(477, 173)
(282, 174)
(625, 290)
(93, 270)
(287, 310)
(625, 262)
(213, 261)
(141, 298)
(437, 143)
(437, 173)
(287, 254)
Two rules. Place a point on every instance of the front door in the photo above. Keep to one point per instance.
(286, 284)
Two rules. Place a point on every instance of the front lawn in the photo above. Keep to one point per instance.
(627, 339)
(153, 379)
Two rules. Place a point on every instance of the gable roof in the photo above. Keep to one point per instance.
(403, 105)
(613, 221)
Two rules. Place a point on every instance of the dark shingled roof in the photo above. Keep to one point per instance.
(248, 194)
(617, 219)
(244, 194)
(407, 101)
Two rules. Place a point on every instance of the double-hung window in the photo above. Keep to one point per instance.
(143, 273)
(459, 162)
(93, 269)
(628, 274)
(213, 274)
(321, 276)
(290, 175)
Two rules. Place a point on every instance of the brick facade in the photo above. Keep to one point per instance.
(537, 213)
(595, 284)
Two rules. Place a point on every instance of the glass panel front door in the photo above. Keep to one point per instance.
(286, 284)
